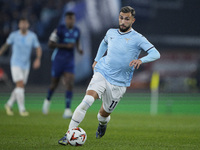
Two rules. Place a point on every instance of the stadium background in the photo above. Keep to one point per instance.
(171, 25)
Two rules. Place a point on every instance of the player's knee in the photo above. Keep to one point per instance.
(69, 82)
(103, 120)
(53, 85)
(86, 102)
(102, 112)
(69, 86)
(20, 84)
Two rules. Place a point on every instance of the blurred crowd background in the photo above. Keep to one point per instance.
(39, 12)
(171, 25)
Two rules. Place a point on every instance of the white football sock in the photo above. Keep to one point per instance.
(103, 120)
(20, 98)
(12, 99)
(80, 111)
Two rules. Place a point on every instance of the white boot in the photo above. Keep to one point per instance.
(67, 113)
(8, 110)
(24, 113)
(45, 108)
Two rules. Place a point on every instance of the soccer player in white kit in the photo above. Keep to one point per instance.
(22, 42)
(113, 72)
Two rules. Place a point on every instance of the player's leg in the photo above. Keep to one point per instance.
(12, 98)
(110, 99)
(20, 77)
(56, 72)
(103, 118)
(80, 112)
(8, 106)
(53, 85)
(20, 96)
(82, 108)
(94, 91)
(69, 83)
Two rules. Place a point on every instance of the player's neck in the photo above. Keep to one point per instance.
(130, 29)
(23, 32)
(69, 27)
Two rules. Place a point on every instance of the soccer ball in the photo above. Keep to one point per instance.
(76, 136)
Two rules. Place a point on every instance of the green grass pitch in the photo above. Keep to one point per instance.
(176, 127)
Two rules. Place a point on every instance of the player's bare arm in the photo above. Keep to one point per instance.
(53, 45)
(3, 48)
(37, 61)
(94, 64)
(135, 63)
(78, 47)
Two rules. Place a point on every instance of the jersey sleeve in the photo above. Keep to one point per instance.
(59, 31)
(10, 39)
(102, 48)
(153, 53)
(36, 43)
(101, 51)
(144, 44)
(106, 37)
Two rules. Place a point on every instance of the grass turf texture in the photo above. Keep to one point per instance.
(131, 127)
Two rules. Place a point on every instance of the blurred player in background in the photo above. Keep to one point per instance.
(64, 40)
(113, 72)
(22, 42)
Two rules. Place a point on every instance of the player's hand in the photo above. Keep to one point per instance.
(61, 45)
(3, 48)
(94, 64)
(135, 63)
(69, 45)
(36, 63)
(80, 51)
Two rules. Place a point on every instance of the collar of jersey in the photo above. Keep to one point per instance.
(19, 32)
(125, 32)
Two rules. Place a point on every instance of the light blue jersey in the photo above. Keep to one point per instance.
(121, 49)
(22, 46)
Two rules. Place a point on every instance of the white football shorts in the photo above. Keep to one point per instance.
(110, 94)
(19, 74)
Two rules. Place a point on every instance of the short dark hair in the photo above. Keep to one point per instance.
(23, 19)
(128, 9)
(69, 13)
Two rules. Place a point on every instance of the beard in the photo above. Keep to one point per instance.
(124, 29)
(24, 30)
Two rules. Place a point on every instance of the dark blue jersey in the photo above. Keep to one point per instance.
(64, 57)
(66, 36)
